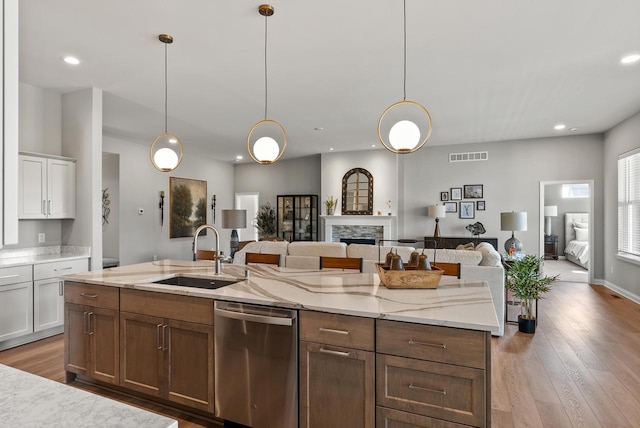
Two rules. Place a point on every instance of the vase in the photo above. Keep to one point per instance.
(330, 210)
(526, 325)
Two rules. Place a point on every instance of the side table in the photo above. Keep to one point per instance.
(551, 247)
(513, 305)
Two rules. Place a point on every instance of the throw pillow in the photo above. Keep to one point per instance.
(467, 246)
(582, 234)
(579, 225)
(490, 257)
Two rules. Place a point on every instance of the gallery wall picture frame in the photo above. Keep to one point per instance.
(451, 207)
(187, 206)
(456, 193)
(480, 205)
(473, 191)
(444, 196)
(467, 209)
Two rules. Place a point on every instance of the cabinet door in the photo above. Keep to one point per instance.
(141, 354)
(103, 355)
(61, 188)
(75, 338)
(48, 304)
(190, 376)
(32, 191)
(16, 309)
(336, 386)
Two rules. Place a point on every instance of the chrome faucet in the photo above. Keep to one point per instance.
(194, 245)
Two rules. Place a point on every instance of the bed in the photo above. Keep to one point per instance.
(576, 238)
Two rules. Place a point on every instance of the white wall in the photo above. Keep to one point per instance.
(111, 182)
(619, 274)
(82, 140)
(141, 236)
(383, 166)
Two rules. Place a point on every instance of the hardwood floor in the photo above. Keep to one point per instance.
(580, 369)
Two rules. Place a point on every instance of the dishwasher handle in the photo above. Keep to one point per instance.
(263, 319)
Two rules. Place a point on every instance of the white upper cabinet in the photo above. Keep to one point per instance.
(47, 187)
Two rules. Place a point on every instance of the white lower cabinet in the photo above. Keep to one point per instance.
(16, 310)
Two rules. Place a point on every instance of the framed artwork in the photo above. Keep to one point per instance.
(467, 209)
(480, 205)
(473, 191)
(187, 206)
(444, 196)
(456, 193)
(451, 207)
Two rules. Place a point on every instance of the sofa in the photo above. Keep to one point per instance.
(483, 262)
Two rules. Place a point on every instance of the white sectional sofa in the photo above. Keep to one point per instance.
(482, 263)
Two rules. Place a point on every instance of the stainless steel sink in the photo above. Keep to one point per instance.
(190, 281)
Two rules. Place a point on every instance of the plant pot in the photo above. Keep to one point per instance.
(526, 325)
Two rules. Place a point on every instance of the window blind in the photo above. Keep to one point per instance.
(629, 203)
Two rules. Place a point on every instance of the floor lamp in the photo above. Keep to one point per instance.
(234, 219)
(437, 211)
(513, 221)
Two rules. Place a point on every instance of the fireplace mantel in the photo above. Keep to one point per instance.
(388, 223)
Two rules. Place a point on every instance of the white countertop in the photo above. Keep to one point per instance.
(27, 400)
(455, 303)
(43, 258)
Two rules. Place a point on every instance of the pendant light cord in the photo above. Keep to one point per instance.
(165, 88)
(265, 68)
(405, 51)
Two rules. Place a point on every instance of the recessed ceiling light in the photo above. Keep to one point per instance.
(560, 127)
(71, 60)
(239, 157)
(173, 140)
(630, 59)
(573, 129)
(373, 145)
(319, 128)
(331, 149)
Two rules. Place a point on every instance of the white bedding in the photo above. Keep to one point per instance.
(578, 252)
(576, 244)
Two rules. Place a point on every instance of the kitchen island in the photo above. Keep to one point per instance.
(389, 336)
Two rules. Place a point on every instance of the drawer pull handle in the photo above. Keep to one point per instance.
(58, 270)
(330, 330)
(338, 353)
(89, 296)
(435, 345)
(421, 388)
(9, 276)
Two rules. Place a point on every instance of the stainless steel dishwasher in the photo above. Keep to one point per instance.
(256, 365)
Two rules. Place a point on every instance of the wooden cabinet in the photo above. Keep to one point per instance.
(297, 217)
(337, 371)
(46, 187)
(48, 291)
(437, 372)
(91, 332)
(166, 344)
(16, 302)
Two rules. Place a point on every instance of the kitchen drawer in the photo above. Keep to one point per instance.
(441, 391)
(390, 418)
(185, 308)
(16, 274)
(433, 343)
(91, 295)
(338, 330)
(56, 269)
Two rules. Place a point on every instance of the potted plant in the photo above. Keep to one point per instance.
(330, 204)
(523, 278)
(266, 221)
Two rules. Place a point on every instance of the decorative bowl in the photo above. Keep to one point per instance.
(410, 277)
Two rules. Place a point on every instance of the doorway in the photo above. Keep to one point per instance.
(251, 203)
(569, 206)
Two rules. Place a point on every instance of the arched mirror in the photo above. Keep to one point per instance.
(357, 192)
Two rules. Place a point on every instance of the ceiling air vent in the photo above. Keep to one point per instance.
(468, 157)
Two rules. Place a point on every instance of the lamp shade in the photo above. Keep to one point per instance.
(513, 221)
(551, 211)
(234, 219)
(437, 211)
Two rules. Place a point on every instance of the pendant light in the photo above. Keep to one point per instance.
(405, 126)
(166, 149)
(262, 141)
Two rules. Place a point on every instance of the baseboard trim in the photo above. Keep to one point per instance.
(611, 286)
(32, 337)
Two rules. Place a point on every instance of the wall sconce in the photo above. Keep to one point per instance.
(161, 206)
(213, 208)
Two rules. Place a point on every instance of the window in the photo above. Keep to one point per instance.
(576, 190)
(629, 204)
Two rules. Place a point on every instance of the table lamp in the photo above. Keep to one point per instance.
(513, 221)
(549, 211)
(437, 211)
(234, 219)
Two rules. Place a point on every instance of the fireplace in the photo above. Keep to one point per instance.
(371, 227)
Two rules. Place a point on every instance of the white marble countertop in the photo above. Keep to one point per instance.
(27, 400)
(37, 259)
(455, 303)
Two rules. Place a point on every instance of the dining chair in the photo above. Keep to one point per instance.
(450, 269)
(341, 263)
(262, 258)
(205, 255)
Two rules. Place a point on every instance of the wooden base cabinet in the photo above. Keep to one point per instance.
(336, 381)
(166, 357)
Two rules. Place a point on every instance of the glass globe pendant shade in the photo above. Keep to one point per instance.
(166, 152)
(262, 142)
(404, 127)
